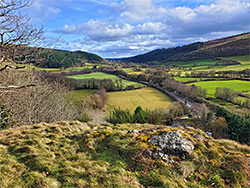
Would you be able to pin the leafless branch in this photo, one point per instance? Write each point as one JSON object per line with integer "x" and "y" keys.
{"x": 16, "y": 87}
{"x": 15, "y": 28}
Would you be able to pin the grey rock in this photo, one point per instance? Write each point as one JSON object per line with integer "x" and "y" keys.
{"x": 171, "y": 144}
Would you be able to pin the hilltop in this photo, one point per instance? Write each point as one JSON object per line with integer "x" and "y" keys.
{"x": 74, "y": 154}
{"x": 237, "y": 45}
{"x": 48, "y": 58}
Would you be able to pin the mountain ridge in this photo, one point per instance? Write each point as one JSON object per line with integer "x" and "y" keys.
{"x": 236, "y": 45}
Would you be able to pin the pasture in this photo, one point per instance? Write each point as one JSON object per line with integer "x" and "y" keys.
{"x": 209, "y": 65}
{"x": 185, "y": 79}
{"x": 236, "y": 85}
{"x": 101, "y": 76}
{"x": 77, "y": 96}
{"x": 195, "y": 63}
{"x": 149, "y": 98}
{"x": 79, "y": 68}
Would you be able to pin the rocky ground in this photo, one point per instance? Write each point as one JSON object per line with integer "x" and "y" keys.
{"x": 74, "y": 154}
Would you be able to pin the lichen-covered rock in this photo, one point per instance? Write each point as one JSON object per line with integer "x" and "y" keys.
{"x": 171, "y": 144}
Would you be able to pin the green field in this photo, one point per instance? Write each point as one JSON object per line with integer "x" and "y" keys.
{"x": 209, "y": 65}
{"x": 244, "y": 60}
{"x": 79, "y": 95}
{"x": 79, "y": 68}
{"x": 128, "y": 70}
{"x": 146, "y": 98}
{"x": 88, "y": 66}
{"x": 203, "y": 62}
{"x": 236, "y": 85}
{"x": 101, "y": 76}
{"x": 183, "y": 79}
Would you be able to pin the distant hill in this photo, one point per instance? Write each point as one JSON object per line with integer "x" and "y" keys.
{"x": 61, "y": 58}
{"x": 47, "y": 58}
{"x": 230, "y": 46}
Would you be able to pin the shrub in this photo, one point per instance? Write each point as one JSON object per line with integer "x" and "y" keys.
{"x": 44, "y": 101}
{"x": 219, "y": 128}
{"x": 141, "y": 116}
{"x": 118, "y": 116}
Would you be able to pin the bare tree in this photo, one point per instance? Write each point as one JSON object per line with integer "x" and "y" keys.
{"x": 15, "y": 27}
{"x": 39, "y": 100}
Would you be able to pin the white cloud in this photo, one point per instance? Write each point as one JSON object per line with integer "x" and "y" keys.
{"x": 140, "y": 9}
{"x": 150, "y": 28}
{"x": 70, "y": 28}
{"x": 104, "y": 30}
{"x": 138, "y": 26}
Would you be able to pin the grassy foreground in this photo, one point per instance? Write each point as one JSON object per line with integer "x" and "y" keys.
{"x": 149, "y": 98}
{"x": 72, "y": 154}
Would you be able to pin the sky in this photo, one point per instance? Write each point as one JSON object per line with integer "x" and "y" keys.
{"x": 124, "y": 28}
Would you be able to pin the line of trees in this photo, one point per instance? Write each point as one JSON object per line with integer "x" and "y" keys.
{"x": 190, "y": 92}
{"x": 230, "y": 95}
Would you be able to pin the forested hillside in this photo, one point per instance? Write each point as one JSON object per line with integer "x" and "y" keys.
{"x": 47, "y": 58}
{"x": 230, "y": 46}
{"x": 60, "y": 58}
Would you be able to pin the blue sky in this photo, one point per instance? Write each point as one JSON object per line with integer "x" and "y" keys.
{"x": 122, "y": 28}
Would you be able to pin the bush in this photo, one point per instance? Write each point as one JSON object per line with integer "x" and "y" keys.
{"x": 118, "y": 116}
{"x": 219, "y": 128}
{"x": 44, "y": 101}
{"x": 141, "y": 116}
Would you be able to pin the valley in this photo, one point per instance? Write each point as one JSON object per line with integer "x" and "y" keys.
{"x": 79, "y": 120}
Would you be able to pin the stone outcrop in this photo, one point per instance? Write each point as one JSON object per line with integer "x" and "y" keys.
{"x": 171, "y": 146}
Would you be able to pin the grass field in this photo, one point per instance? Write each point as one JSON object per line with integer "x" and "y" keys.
{"x": 244, "y": 60}
{"x": 128, "y": 70}
{"x": 146, "y": 98}
{"x": 79, "y": 68}
{"x": 236, "y": 85}
{"x": 209, "y": 65}
{"x": 183, "y": 79}
{"x": 101, "y": 76}
{"x": 79, "y": 95}
{"x": 203, "y": 62}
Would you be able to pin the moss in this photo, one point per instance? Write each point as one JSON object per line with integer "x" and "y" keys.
{"x": 70, "y": 154}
